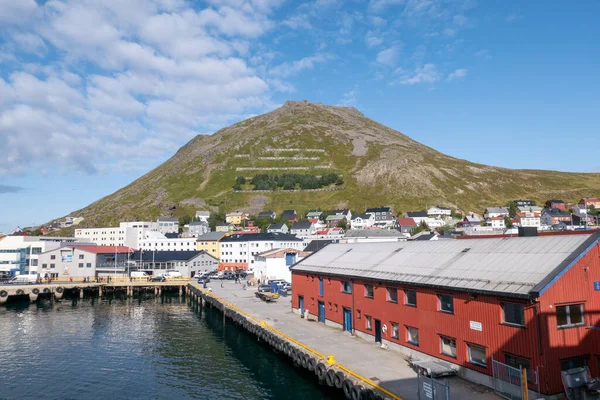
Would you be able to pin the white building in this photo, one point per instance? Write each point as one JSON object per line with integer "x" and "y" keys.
{"x": 83, "y": 261}
{"x": 277, "y": 228}
{"x": 362, "y": 221}
{"x": 302, "y": 229}
{"x": 198, "y": 228}
{"x": 156, "y": 241}
{"x": 168, "y": 225}
{"x": 534, "y": 209}
{"x": 187, "y": 263}
{"x": 496, "y": 222}
{"x": 439, "y": 212}
{"x": 276, "y": 263}
{"x": 435, "y": 223}
{"x": 238, "y": 250}
{"x": 21, "y": 253}
{"x": 493, "y": 212}
{"x": 529, "y": 219}
{"x": 126, "y": 234}
{"x": 202, "y": 215}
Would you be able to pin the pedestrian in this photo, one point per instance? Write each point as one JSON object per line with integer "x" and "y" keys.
{"x": 222, "y": 284}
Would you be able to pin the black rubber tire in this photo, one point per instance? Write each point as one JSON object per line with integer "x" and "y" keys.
{"x": 3, "y": 293}
{"x": 304, "y": 360}
{"x": 46, "y": 290}
{"x": 312, "y": 364}
{"x": 35, "y": 291}
{"x": 339, "y": 379}
{"x": 357, "y": 392}
{"x": 59, "y": 289}
{"x": 321, "y": 371}
{"x": 330, "y": 378}
{"x": 20, "y": 291}
{"x": 367, "y": 394}
{"x": 347, "y": 388}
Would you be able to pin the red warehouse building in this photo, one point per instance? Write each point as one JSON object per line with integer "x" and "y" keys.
{"x": 529, "y": 301}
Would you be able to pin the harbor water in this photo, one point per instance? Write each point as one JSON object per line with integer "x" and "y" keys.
{"x": 138, "y": 348}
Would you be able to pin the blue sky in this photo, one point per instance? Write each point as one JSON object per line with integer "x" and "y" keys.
{"x": 93, "y": 94}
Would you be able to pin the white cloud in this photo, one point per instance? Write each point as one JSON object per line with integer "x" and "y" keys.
{"x": 349, "y": 98}
{"x": 457, "y": 74}
{"x": 300, "y": 21}
{"x": 449, "y": 32}
{"x": 292, "y": 68}
{"x": 428, "y": 73}
{"x": 373, "y": 39}
{"x": 389, "y": 56}
{"x": 16, "y": 12}
{"x": 377, "y": 21}
{"x": 459, "y": 20}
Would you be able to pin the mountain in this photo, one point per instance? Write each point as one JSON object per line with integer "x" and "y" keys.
{"x": 379, "y": 166}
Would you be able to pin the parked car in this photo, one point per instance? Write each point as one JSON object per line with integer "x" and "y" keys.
{"x": 287, "y": 286}
{"x": 264, "y": 288}
{"x": 203, "y": 279}
{"x": 158, "y": 278}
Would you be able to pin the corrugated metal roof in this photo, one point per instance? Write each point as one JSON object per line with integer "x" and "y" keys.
{"x": 503, "y": 265}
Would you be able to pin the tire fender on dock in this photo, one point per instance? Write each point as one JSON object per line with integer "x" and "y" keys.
{"x": 347, "y": 387}
{"x": 338, "y": 379}
{"x": 356, "y": 392}
{"x": 330, "y": 378}
{"x": 312, "y": 364}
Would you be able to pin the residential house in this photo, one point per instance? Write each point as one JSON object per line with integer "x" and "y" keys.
{"x": 343, "y": 211}
{"x": 82, "y": 261}
{"x": 156, "y": 241}
{"x": 276, "y": 263}
{"x": 517, "y": 302}
{"x": 439, "y": 212}
{"x": 302, "y": 229}
{"x": 202, "y": 215}
{"x": 277, "y": 228}
{"x": 552, "y": 216}
{"x": 529, "y": 219}
{"x": 586, "y": 202}
{"x": 362, "y": 221}
{"x": 238, "y": 251}
{"x": 267, "y": 214}
{"x": 492, "y": 212}
{"x": 383, "y": 216}
{"x": 533, "y": 209}
{"x": 289, "y": 216}
{"x": 198, "y": 228}
{"x": 471, "y": 220}
{"x": 496, "y": 222}
{"x": 406, "y": 225}
{"x": 417, "y": 216}
{"x": 235, "y": 218}
{"x": 334, "y": 220}
{"x": 559, "y": 204}
{"x": 373, "y": 235}
{"x": 314, "y": 216}
{"x": 224, "y": 227}
{"x": 327, "y": 233}
{"x": 187, "y": 263}
{"x": 209, "y": 242}
{"x": 168, "y": 225}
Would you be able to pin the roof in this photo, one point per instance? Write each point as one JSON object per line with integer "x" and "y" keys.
{"x": 522, "y": 267}
{"x": 529, "y": 208}
{"x": 288, "y": 213}
{"x": 166, "y": 256}
{"x": 203, "y": 213}
{"x": 255, "y": 237}
{"x": 406, "y": 222}
{"x": 379, "y": 209}
{"x": 340, "y": 211}
{"x": 556, "y": 212}
{"x": 360, "y": 233}
{"x": 301, "y": 225}
{"x": 234, "y": 214}
{"x": 441, "y": 208}
{"x": 280, "y": 253}
{"x": 223, "y": 224}
{"x": 314, "y": 214}
{"x": 165, "y": 219}
{"x": 416, "y": 214}
{"x": 472, "y": 218}
{"x": 317, "y": 245}
{"x": 496, "y": 219}
{"x": 496, "y": 210}
{"x": 554, "y": 201}
{"x": 209, "y": 236}
{"x": 103, "y": 249}
{"x": 266, "y": 213}
{"x": 424, "y": 235}
{"x": 361, "y": 216}
{"x": 335, "y": 217}
{"x": 275, "y": 226}
{"x": 204, "y": 223}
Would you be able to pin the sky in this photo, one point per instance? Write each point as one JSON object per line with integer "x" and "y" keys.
{"x": 94, "y": 94}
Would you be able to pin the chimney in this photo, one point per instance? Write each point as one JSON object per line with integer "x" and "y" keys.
{"x": 527, "y": 231}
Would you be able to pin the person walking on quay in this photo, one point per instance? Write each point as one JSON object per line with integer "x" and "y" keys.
{"x": 222, "y": 284}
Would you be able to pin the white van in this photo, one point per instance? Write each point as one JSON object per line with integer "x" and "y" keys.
{"x": 24, "y": 279}
{"x": 173, "y": 274}
{"x": 139, "y": 274}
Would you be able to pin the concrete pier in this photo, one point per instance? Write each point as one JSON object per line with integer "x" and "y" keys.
{"x": 362, "y": 362}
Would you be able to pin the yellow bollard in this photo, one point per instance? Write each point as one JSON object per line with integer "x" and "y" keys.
{"x": 330, "y": 360}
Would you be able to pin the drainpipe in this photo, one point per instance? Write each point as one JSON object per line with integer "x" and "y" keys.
{"x": 353, "y": 310}
{"x": 541, "y": 349}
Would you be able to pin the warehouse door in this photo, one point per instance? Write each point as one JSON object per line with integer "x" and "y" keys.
{"x": 321, "y": 312}
{"x": 348, "y": 319}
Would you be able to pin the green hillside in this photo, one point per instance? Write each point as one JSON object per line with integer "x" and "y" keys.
{"x": 379, "y": 166}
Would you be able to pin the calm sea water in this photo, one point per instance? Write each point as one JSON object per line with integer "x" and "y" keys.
{"x": 138, "y": 349}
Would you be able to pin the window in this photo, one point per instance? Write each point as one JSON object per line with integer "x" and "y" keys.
{"x": 477, "y": 355}
{"x": 395, "y": 330}
{"x": 368, "y": 322}
{"x": 34, "y": 262}
{"x": 392, "y": 295}
{"x": 44, "y": 265}
{"x": 446, "y": 303}
{"x": 410, "y": 298}
{"x": 51, "y": 265}
{"x": 36, "y": 250}
{"x": 575, "y": 362}
{"x": 412, "y": 335}
{"x": 80, "y": 265}
{"x": 369, "y": 291}
{"x": 516, "y": 362}
{"x": 81, "y": 256}
{"x": 346, "y": 287}
{"x": 513, "y": 313}
{"x": 53, "y": 257}
{"x": 448, "y": 346}
{"x": 568, "y": 316}
{"x": 321, "y": 287}
{"x": 88, "y": 265}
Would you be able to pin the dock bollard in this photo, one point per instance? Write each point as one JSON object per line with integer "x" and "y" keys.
{"x": 81, "y": 293}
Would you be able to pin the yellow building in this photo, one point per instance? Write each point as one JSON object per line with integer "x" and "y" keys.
{"x": 209, "y": 242}
{"x": 235, "y": 218}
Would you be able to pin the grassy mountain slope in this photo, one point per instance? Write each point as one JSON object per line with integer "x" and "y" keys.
{"x": 380, "y": 166}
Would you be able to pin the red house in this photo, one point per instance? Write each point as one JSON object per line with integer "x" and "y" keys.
{"x": 556, "y": 204}
{"x": 529, "y": 301}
